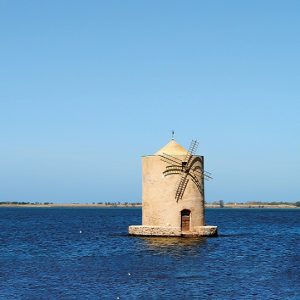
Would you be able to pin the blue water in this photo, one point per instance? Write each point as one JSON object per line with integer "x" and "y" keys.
{"x": 85, "y": 253}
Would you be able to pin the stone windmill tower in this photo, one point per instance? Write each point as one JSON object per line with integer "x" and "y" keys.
{"x": 173, "y": 193}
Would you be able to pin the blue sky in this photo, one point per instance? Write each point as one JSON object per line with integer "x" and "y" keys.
{"x": 87, "y": 87}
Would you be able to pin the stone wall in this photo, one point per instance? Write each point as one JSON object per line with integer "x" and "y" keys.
{"x": 154, "y": 230}
{"x": 171, "y": 231}
{"x": 206, "y": 230}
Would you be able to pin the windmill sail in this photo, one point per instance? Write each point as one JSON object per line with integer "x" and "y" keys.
{"x": 192, "y": 149}
{"x": 181, "y": 187}
{"x": 186, "y": 168}
{"x": 183, "y": 181}
{"x": 170, "y": 159}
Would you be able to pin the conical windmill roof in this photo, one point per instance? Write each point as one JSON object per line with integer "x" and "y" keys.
{"x": 172, "y": 148}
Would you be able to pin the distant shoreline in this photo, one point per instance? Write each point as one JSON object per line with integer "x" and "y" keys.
{"x": 129, "y": 205}
{"x": 245, "y": 205}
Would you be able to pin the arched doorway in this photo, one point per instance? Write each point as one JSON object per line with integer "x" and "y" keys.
{"x": 185, "y": 220}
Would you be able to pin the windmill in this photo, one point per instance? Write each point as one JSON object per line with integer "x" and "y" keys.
{"x": 161, "y": 215}
{"x": 190, "y": 168}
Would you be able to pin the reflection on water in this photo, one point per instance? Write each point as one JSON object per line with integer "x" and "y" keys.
{"x": 172, "y": 242}
{"x": 174, "y": 246}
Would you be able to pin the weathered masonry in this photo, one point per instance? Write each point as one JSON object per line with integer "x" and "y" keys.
{"x": 173, "y": 194}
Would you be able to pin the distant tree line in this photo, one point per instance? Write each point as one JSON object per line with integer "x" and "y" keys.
{"x": 24, "y": 203}
{"x": 221, "y": 203}
{"x": 47, "y": 203}
{"x": 118, "y": 203}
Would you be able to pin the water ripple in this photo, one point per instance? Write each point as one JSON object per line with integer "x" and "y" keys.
{"x": 87, "y": 254}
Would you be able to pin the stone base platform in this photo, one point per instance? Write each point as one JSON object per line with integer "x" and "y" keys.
{"x": 172, "y": 231}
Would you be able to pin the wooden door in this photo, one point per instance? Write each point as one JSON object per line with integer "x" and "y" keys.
{"x": 185, "y": 220}
{"x": 185, "y": 223}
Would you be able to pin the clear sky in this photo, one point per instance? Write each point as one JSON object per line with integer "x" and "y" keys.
{"x": 87, "y": 87}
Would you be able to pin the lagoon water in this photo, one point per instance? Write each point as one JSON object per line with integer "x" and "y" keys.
{"x": 85, "y": 253}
